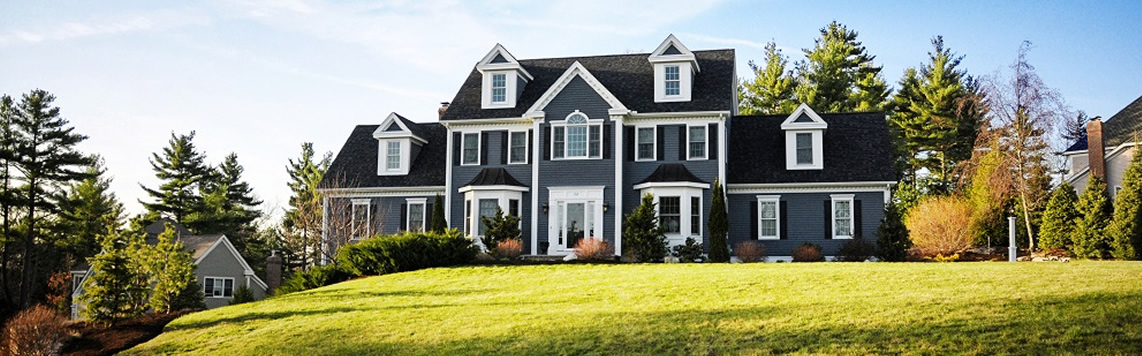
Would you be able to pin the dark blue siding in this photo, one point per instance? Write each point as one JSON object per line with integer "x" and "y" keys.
{"x": 805, "y": 220}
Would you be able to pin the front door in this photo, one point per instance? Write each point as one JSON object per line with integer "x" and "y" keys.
{"x": 576, "y": 214}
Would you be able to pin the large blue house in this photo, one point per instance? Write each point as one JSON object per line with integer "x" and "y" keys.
{"x": 570, "y": 145}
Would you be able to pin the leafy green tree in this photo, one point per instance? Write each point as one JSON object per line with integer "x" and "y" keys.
{"x": 171, "y": 269}
{"x": 892, "y": 241}
{"x": 839, "y": 74}
{"x": 641, "y": 234}
{"x": 45, "y": 156}
{"x": 771, "y": 91}
{"x": 1059, "y": 218}
{"x": 499, "y": 228}
{"x": 116, "y": 289}
{"x": 1089, "y": 239}
{"x": 87, "y": 209}
{"x": 439, "y": 224}
{"x": 301, "y": 226}
{"x": 1125, "y": 231}
{"x": 719, "y": 225}
{"x": 180, "y": 168}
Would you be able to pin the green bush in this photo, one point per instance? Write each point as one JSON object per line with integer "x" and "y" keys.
{"x": 242, "y": 294}
{"x": 856, "y": 250}
{"x": 500, "y": 228}
{"x": 690, "y": 252}
{"x": 1125, "y": 230}
{"x": 407, "y": 251}
{"x": 642, "y": 236}
{"x": 1059, "y": 218}
{"x": 314, "y": 277}
{"x": 892, "y": 241}
{"x": 1089, "y": 239}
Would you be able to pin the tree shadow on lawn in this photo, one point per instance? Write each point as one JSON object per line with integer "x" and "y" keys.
{"x": 359, "y": 293}
{"x": 1098, "y": 323}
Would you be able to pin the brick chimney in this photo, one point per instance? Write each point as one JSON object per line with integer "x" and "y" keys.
{"x": 442, "y": 109}
{"x": 273, "y": 272}
{"x": 1095, "y": 150}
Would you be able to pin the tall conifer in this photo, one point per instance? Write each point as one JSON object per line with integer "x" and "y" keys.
{"x": 1126, "y": 229}
{"x": 771, "y": 91}
{"x": 180, "y": 169}
{"x": 1089, "y": 239}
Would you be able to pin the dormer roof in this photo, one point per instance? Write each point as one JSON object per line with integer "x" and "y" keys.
{"x": 396, "y": 126}
{"x": 804, "y": 118}
{"x": 500, "y": 59}
{"x": 672, "y": 50}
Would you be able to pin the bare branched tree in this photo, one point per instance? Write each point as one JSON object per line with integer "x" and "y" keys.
{"x": 1025, "y": 111}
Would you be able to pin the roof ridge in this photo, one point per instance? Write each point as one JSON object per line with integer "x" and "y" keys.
{"x": 646, "y": 54}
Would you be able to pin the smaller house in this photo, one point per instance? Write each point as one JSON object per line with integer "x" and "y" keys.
{"x": 221, "y": 269}
{"x": 1106, "y": 150}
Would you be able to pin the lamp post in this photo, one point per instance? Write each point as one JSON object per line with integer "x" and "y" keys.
{"x": 1011, "y": 249}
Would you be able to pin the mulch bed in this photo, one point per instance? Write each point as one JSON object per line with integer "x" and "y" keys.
{"x": 98, "y": 339}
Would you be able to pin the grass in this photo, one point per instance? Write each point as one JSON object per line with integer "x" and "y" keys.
{"x": 831, "y": 308}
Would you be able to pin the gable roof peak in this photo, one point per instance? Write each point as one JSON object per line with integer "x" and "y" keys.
{"x": 405, "y": 128}
{"x": 575, "y": 70}
{"x": 500, "y": 59}
{"x": 804, "y": 118}
{"x": 672, "y": 50}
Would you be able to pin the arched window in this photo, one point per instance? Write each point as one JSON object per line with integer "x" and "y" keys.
{"x": 576, "y": 137}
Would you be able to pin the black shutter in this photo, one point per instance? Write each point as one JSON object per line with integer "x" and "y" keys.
{"x": 504, "y": 146}
{"x": 607, "y": 141}
{"x": 784, "y": 221}
{"x": 828, "y": 219}
{"x": 529, "y": 143}
{"x": 682, "y": 146}
{"x": 660, "y": 142}
{"x": 484, "y": 148}
{"x": 404, "y": 217}
{"x": 456, "y": 149}
{"x": 857, "y": 229}
{"x": 629, "y": 142}
{"x": 427, "y": 223}
{"x": 545, "y": 141}
{"x": 753, "y": 221}
{"x": 712, "y": 138}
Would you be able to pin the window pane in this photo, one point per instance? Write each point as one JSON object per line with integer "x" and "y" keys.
{"x": 488, "y": 209}
{"x": 593, "y": 145}
{"x": 208, "y": 285}
{"x": 577, "y": 141}
{"x": 467, "y": 217}
{"x": 471, "y": 148}
{"x": 669, "y": 213}
{"x": 415, "y": 217}
{"x": 360, "y": 220}
{"x": 228, "y": 290}
{"x": 577, "y": 119}
{"x": 672, "y": 87}
{"x": 513, "y": 207}
{"x": 499, "y": 88}
{"x": 673, "y": 82}
{"x": 697, "y": 137}
{"x": 393, "y": 155}
{"x": 804, "y": 148}
{"x": 768, "y": 210}
{"x": 645, "y": 143}
{"x": 557, "y": 136}
{"x": 843, "y": 209}
{"x": 518, "y": 152}
{"x": 769, "y": 227}
{"x": 695, "y": 216}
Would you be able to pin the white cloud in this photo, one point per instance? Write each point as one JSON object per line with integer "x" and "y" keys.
{"x": 105, "y": 26}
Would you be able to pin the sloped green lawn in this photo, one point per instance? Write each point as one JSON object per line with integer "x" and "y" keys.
{"x": 831, "y": 308}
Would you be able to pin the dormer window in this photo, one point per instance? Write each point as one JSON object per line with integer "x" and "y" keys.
{"x": 804, "y": 140}
{"x": 499, "y": 88}
{"x": 393, "y": 157}
{"x": 397, "y": 145}
{"x": 673, "y": 81}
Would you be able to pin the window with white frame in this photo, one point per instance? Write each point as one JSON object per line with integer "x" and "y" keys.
{"x": 697, "y": 138}
{"x": 499, "y": 88}
{"x": 768, "y": 217}
{"x": 415, "y": 214}
{"x": 488, "y": 208}
{"x": 392, "y": 156}
{"x": 670, "y": 214}
{"x": 842, "y": 216}
{"x": 673, "y": 81}
{"x": 696, "y": 215}
{"x": 804, "y": 148}
{"x": 467, "y": 217}
{"x": 576, "y": 138}
{"x": 517, "y": 147}
{"x": 644, "y": 139}
{"x": 471, "y": 149}
{"x": 218, "y": 287}
{"x": 359, "y": 221}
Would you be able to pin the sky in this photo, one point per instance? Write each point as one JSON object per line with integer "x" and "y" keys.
{"x": 258, "y": 78}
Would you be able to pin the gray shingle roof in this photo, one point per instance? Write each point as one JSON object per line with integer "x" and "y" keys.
{"x": 356, "y": 162}
{"x": 857, "y": 149}
{"x": 1125, "y": 126}
{"x": 630, "y": 77}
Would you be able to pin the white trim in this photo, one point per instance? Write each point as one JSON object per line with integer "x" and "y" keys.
{"x": 223, "y": 240}
{"x": 377, "y": 192}
{"x": 559, "y": 197}
{"x": 689, "y": 116}
{"x": 485, "y": 63}
{"x": 776, "y": 200}
{"x": 233, "y": 287}
{"x": 705, "y": 143}
{"x": 463, "y": 147}
{"x": 576, "y": 69}
{"x": 647, "y": 185}
{"x": 817, "y": 124}
{"x": 447, "y": 189}
{"x": 591, "y": 123}
{"x": 617, "y": 117}
{"x": 686, "y": 71}
{"x": 684, "y": 192}
{"x": 816, "y": 138}
{"x": 836, "y": 198}
{"x": 526, "y": 146}
{"x": 501, "y": 196}
{"x": 409, "y": 202}
{"x": 765, "y": 188}
{"x": 479, "y": 188}
{"x": 538, "y": 118}
{"x": 395, "y": 118}
{"x": 653, "y": 141}
{"x": 504, "y": 123}
{"x": 368, "y": 203}
{"x": 685, "y": 54}
{"x": 404, "y": 146}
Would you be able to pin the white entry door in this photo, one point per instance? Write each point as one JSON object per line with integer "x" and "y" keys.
{"x": 575, "y": 214}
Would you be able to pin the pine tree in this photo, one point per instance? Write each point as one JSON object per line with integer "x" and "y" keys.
{"x": 45, "y": 156}
{"x": 116, "y": 289}
{"x": 1074, "y": 128}
{"x": 180, "y": 168}
{"x": 8, "y": 198}
{"x": 1059, "y": 218}
{"x": 439, "y": 224}
{"x": 901, "y": 123}
{"x": 499, "y": 228}
{"x": 892, "y": 241}
{"x": 87, "y": 210}
{"x": 1089, "y": 239}
{"x": 771, "y": 91}
{"x": 1125, "y": 232}
{"x": 171, "y": 271}
{"x": 641, "y": 234}
{"x": 302, "y": 222}
{"x": 839, "y": 74}
{"x": 719, "y": 225}
{"x": 229, "y": 207}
